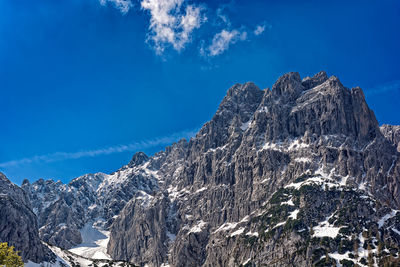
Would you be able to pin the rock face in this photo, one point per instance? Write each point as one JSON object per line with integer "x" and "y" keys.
{"x": 18, "y": 225}
{"x": 392, "y": 133}
{"x": 298, "y": 175}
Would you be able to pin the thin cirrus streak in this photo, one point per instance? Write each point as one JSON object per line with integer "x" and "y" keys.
{"x": 388, "y": 87}
{"x": 59, "y": 156}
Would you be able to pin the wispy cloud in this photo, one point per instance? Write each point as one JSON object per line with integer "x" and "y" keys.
{"x": 132, "y": 147}
{"x": 260, "y": 29}
{"x": 172, "y": 23}
{"x": 122, "y": 5}
{"x": 387, "y": 87}
{"x": 222, "y": 40}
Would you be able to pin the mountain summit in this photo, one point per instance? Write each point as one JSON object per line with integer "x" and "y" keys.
{"x": 297, "y": 175}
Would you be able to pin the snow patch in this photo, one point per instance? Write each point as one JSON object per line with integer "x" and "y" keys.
{"x": 226, "y": 227}
{"x": 344, "y": 180}
{"x": 279, "y": 224}
{"x": 238, "y": 232}
{"x": 289, "y": 202}
{"x": 201, "y": 190}
{"x": 246, "y": 261}
{"x": 326, "y": 229}
{"x": 271, "y": 146}
{"x": 293, "y": 214}
{"x": 382, "y": 221}
{"x": 198, "y": 227}
{"x": 66, "y": 257}
{"x": 338, "y": 257}
{"x": 311, "y": 180}
{"x": 189, "y": 216}
{"x": 263, "y": 109}
{"x": 58, "y": 263}
{"x": 245, "y": 219}
{"x": 303, "y": 160}
{"x": 396, "y": 231}
{"x": 173, "y": 192}
{"x": 295, "y": 145}
{"x": 320, "y": 178}
{"x": 94, "y": 243}
{"x": 245, "y": 125}
{"x": 252, "y": 234}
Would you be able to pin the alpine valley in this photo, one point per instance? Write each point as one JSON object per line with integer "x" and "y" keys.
{"x": 297, "y": 175}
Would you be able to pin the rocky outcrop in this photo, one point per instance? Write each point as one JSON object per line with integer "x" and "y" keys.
{"x": 138, "y": 159}
{"x": 18, "y": 224}
{"x": 145, "y": 222}
{"x": 392, "y": 133}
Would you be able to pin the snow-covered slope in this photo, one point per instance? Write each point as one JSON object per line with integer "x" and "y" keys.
{"x": 94, "y": 243}
{"x": 67, "y": 258}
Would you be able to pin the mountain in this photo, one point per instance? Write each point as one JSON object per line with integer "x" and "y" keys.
{"x": 297, "y": 175}
{"x": 288, "y": 176}
{"x": 18, "y": 225}
{"x": 62, "y": 210}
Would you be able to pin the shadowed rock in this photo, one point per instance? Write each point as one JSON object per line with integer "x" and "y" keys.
{"x": 18, "y": 225}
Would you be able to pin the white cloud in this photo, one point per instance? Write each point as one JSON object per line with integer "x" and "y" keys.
{"x": 259, "y": 29}
{"x": 172, "y": 23}
{"x": 132, "y": 147}
{"x": 123, "y": 5}
{"x": 225, "y": 38}
{"x": 222, "y": 40}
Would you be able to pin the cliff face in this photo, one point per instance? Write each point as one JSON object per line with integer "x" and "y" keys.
{"x": 298, "y": 175}
{"x": 259, "y": 180}
{"x": 18, "y": 225}
{"x": 392, "y": 133}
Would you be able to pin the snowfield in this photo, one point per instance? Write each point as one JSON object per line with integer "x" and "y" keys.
{"x": 94, "y": 243}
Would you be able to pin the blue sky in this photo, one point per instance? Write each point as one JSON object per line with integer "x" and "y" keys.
{"x": 86, "y": 83}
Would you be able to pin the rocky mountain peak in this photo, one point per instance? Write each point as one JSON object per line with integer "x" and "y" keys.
{"x": 240, "y": 97}
{"x": 318, "y": 106}
{"x": 138, "y": 159}
{"x": 13, "y": 191}
{"x": 288, "y": 85}
{"x": 237, "y": 107}
{"x": 316, "y": 80}
{"x": 3, "y": 177}
{"x": 242, "y": 89}
{"x": 367, "y": 127}
{"x": 25, "y": 182}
